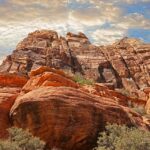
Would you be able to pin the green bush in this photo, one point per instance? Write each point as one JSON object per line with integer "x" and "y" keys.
{"x": 21, "y": 140}
{"x": 118, "y": 137}
{"x": 82, "y": 81}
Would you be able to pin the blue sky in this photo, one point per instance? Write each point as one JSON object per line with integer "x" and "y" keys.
{"x": 103, "y": 21}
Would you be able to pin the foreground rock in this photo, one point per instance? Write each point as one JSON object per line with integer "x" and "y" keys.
{"x": 68, "y": 118}
{"x": 10, "y": 87}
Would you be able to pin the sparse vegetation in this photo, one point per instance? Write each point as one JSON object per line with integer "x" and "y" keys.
{"x": 123, "y": 91}
{"x": 21, "y": 140}
{"x": 82, "y": 81}
{"x": 140, "y": 110}
{"x": 126, "y": 92}
{"x": 117, "y": 137}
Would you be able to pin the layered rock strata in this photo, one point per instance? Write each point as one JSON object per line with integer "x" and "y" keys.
{"x": 37, "y": 94}
{"x": 124, "y": 64}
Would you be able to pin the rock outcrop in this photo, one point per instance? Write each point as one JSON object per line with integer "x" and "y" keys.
{"x": 124, "y": 64}
{"x": 59, "y": 111}
{"x": 45, "y": 76}
{"x": 147, "y": 107}
{"x": 37, "y": 90}
{"x": 68, "y": 118}
{"x": 10, "y": 86}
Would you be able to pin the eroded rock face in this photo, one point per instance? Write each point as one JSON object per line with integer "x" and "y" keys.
{"x": 124, "y": 64}
{"x": 68, "y": 118}
{"x": 7, "y": 98}
{"x": 52, "y": 106}
{"x": 147, "y": 107}
{"x": 118, "y": 97}
{"x": 12, "y": 80}
{"x": 45, "y": 76}
{"x": 10, "y": 87}
{"x": 59, "y": 111}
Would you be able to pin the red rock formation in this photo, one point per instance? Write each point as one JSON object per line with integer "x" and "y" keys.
{"x": 68, "y": 118}
{"x": 124, "y": 64}
{"x": 147, "y": 107}
{"x": 118, "y": 97}
{"x": 77, "y": 40}
{"x": 12, "y": 80}
{"x": 45, "y": 76}
{"x": 50, "y": 104}
{"x": 43, "y": 69}
{"x": 10, "y": 86}
{"x": 40, "y": 39}
{"x": 7, "y": 98}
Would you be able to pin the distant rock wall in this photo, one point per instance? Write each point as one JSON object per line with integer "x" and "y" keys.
{"x": 124, "y": 64}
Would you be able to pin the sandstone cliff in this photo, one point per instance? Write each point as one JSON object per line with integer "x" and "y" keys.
{"x": 124, "y": 64}
{"x": 37, "y": 90}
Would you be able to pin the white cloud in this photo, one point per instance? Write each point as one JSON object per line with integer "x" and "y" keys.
{"x": 135, "y": 1}
{"x": 21, "y": 17}
{"x": 134, "y": 20}
{"x": 112, "y": 1}
{"x": 108, "y": 36}
{"x": 13, "y": 33}
{"x": 98, "y": 13}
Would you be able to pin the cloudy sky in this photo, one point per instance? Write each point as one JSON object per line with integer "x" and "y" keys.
{"x": 103, "y": 21}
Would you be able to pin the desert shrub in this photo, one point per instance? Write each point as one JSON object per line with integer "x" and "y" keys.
{"x": 7, "y": 145}
{"x": 21, "y": 140}
{"x": 139, "y": 109}
{"x": 118, "y": 137}
{"x": 123, "y": 91}
{"x": 81, "y": 80}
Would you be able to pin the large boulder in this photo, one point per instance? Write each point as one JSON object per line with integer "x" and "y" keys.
{"x": 46, "y": 76}
{"x": 68, "y": 118}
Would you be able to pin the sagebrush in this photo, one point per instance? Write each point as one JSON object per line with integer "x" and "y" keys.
{"x": 82, "y": 80}
{"x": 117, "y": 137}
{"x": 21, "y": 140}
